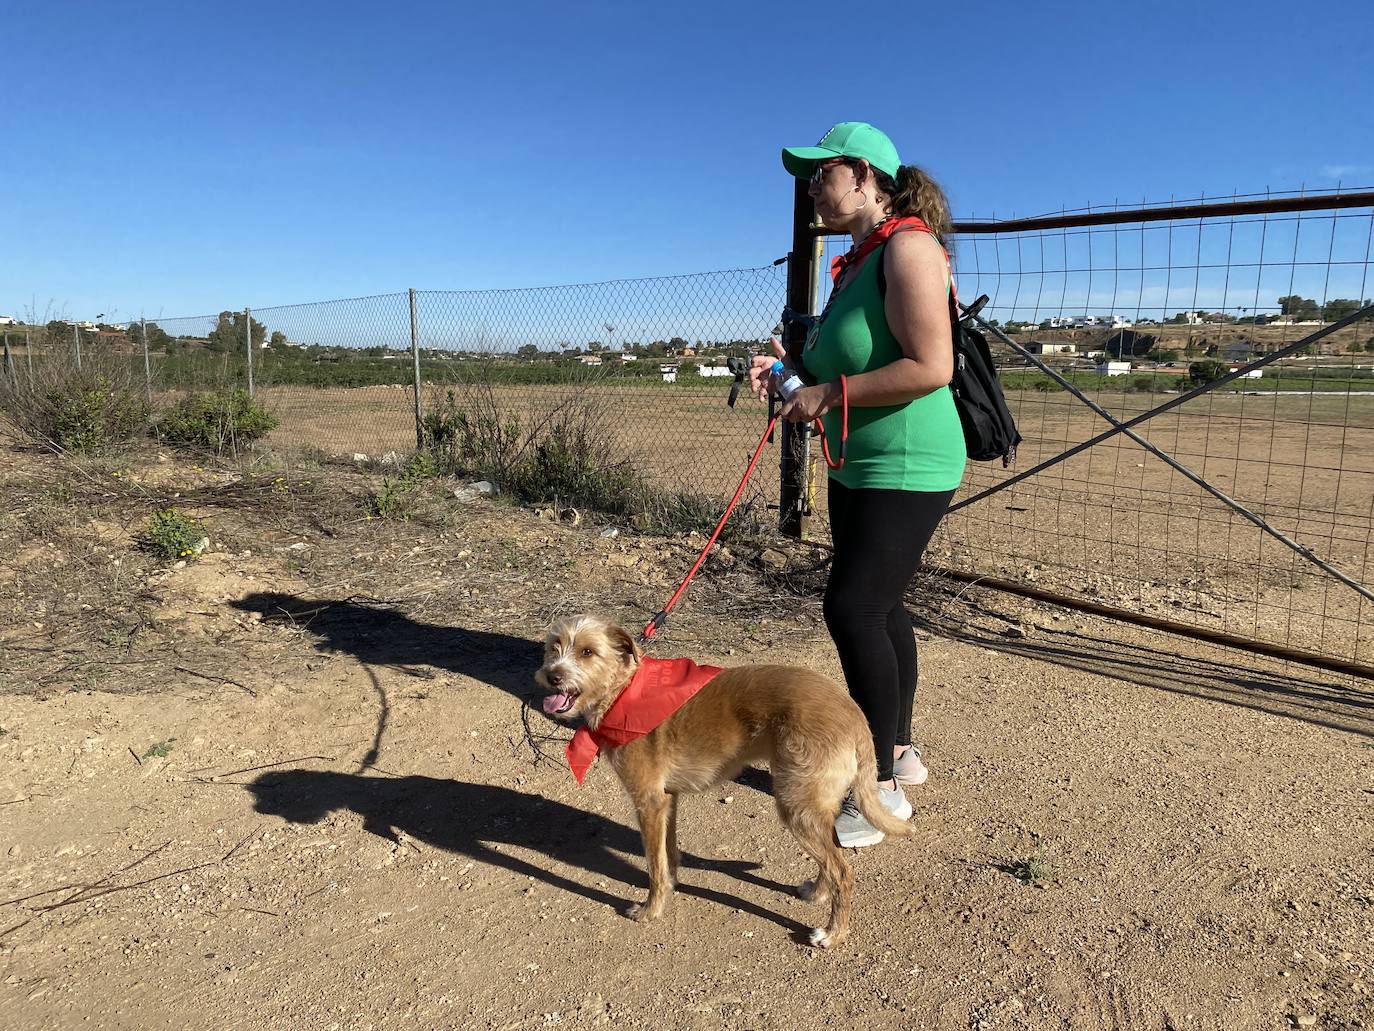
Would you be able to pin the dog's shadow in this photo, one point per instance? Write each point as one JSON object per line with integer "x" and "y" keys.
{"x": 498, "y": 827}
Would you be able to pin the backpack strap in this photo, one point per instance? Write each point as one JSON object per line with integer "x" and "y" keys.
{"x": 920, "y": 227}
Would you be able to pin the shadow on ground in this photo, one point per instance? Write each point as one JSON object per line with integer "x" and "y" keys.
{"x": 498, "y": 827}
{"x": 1163, "y": 661}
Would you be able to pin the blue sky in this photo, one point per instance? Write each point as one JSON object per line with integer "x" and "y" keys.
{"x": 174, "y": 159}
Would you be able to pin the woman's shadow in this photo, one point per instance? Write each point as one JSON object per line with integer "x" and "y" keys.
{"x": 382, "y": 635}
{"x": 495, "y": 826}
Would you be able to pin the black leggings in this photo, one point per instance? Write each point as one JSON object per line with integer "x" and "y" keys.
{"x": 879, "y": 536}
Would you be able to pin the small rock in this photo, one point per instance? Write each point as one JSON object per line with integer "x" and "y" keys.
{"x": 610, "y": 533}
{"x": 359, "y": 457}
{"x": 390, "y": 458}
{"x": 727, "y": 800}
{"x": 298, "y": 546}
{"x": 1013, "y": 631}
{"x": 770, "y": 558}
{"x": 465, "y": 553}
{"x": 473, "y": 491}
{"x": 1307, "y": 1020}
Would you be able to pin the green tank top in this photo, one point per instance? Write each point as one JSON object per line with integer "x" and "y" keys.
{"x": 917, "y": 446}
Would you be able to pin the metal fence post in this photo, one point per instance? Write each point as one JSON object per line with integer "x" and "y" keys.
{"x": 415, "y": 357}
{"x": 147, "y": 368}
{"x": 9, "y": 361}
{"x": 76, "y": 336}
{"x": 248, "y": 343}
{"x": 800, "y": 262}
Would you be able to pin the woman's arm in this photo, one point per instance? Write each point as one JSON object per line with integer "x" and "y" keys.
{"x": 917, "y": 309}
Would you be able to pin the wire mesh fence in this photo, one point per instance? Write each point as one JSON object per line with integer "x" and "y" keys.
{"x": 1133, "y": 312}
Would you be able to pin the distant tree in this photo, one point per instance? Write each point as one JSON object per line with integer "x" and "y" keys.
{"x": 529, "y": 352}
{"x": 593, "y": 346}
{"x": 158, "y": 338}
{"x": 227, "y": 336}
{"x": 1303, "y": 309}
{"x": 278, "y": 339}
{"x": 678, "y": 343}
{"x": 1206, "y": 371}
{"x": 1340, "y": 308}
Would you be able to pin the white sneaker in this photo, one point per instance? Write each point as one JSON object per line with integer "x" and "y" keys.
{"x": 853, "y": 831}
{"x": 908, "y": 768}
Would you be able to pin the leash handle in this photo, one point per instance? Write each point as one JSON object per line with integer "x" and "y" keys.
{"x": 844, "y": 428}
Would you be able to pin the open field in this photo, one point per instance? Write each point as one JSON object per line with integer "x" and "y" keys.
{"x": 285, "y": 786}
{"x": 1113, "y": 523}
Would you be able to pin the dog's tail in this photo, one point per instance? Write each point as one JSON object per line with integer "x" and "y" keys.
{"x": 865, "y": 788}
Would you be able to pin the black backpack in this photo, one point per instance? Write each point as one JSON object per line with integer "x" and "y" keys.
{"x": 989, "y": 429}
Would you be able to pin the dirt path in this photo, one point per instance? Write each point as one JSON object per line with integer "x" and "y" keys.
{"x": 347, "y": 830}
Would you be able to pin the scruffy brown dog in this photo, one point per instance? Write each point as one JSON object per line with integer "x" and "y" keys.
{"x": 809, "y": 731}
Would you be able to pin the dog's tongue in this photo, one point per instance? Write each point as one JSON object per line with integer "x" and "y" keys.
{"x": 556, "y": 703}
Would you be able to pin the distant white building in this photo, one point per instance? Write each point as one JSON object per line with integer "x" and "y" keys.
{"x": 669, "y": 373}
{"x": 589, "y": 359}
{"x": 1113, "y": 368}
{"x": 1252, "y": 374}
{"x": 1088, "y": 321}
{"x": 1039, "y": 347}
{"x": 714, "y": 370}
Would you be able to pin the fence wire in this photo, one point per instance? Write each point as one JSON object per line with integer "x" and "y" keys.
{"x": 1133, "y": 313}
{"x": 1136, "y": 313}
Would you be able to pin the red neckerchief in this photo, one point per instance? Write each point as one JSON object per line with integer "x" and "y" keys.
{"x": 658, "y": 689}
{"x": 880, "y": 236}
{"x": 874, "y": 240}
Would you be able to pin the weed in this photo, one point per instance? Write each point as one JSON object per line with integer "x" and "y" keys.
{"x": 120, "y": 638}
{"x": 174, "y": 535}
{"x": 564, "y": 456}
{"x": 160, "y": 750}
{"x": 1036, "y": 869}
{"x": 391, "y": 500}
{"x": 394, "y": 499}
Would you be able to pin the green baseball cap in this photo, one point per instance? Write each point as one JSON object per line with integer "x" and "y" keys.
{"x": 845, "y": 140}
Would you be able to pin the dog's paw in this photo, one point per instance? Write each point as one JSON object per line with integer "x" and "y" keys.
{"x": 811, "y": 891}
{"x": 640, "y": 912}
{"x": 820, "y": 938}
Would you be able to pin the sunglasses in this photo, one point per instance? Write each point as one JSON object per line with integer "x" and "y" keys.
{"x": 818, "y": 175}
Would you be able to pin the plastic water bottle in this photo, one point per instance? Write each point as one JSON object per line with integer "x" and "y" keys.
{"x": 784, "y": 382}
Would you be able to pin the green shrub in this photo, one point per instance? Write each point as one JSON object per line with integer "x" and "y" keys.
{"x": 87, "y": 410}
{"x": 94, "y": 416}
{"x": 174, "y": 535}
{"x": 565, "y": 456}
{"x": 219, "y": 421}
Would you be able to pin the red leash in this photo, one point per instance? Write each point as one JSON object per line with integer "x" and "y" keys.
{"x": 661, "y": 616}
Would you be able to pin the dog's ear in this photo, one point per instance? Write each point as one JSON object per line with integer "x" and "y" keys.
{"x": 623, "y": 641}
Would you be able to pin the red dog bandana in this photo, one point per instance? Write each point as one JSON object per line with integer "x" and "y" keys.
{"x": 658, "y": 689}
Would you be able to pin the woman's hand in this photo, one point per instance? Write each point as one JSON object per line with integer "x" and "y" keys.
{"x": 758, "y": 369}
{"x": 810, "y": 403}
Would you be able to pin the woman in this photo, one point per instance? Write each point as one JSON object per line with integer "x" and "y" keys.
{"x": 905, "y": 455}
